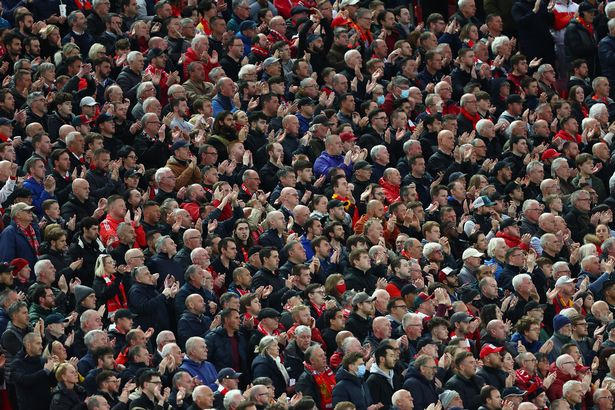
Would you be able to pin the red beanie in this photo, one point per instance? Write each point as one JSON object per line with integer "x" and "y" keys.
{"x": 18, "y": 264}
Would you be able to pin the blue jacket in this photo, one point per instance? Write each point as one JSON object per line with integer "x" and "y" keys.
{"x": 206, "y": 372}
{"x": 161, "y": 263}
{"x": 38, "y": 194}
{"x": 351, "y": 388}
{"x": 325, "y": 162}
{"x": 606, "y": 54}
{"x": 13, "y": 244}
{"x": 221, "y": 103}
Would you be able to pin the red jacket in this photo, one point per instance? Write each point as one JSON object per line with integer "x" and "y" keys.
{"x": 391, "y": 192}
{"x": 108, "y": 228}
{"x": 512, "y": 241}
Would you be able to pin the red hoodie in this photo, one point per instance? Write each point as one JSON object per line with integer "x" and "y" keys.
{"x": 391, "y": 192}
{"x": 512, "y": 241}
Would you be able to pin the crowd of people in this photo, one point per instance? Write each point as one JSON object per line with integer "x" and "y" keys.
{"x": 301, "y": 204}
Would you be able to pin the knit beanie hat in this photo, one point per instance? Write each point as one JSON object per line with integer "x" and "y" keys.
{"x": 82, "y": 292}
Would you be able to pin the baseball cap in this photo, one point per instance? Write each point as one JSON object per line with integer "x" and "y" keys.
{"x": 321, "y": 119}
{"x": 500, "y": 165}
{"x": 155, "y": 52}
{"x": 228, "y": 373}
{"x": 123, "y": 313}
{"x": 20, "y": 207}
{"x": 460, "y": 317}
{"x": 80, "y": 120}
{"x": 104, "y": 117}
{"x": 334, "y": 203}
{"x": 270, "y": 60}
{"x": 482, "y": 201}
{"x": 133, "y": 173}
{"x": 5, "y": 121}
{"x": 179, "y": 144}
{"x": 305, "y": 101}
{"x": 531, "y": 305}
{"x": 550, "y": 153}
{"x": 362, "y": 164}
{"x": 89, "y": 101}
{"x": 299, "y": 9}
{"x": 268, "y": 313}
{"x": 564, "y": 280}
{"x": 345, "y": 3}
{"x": 247, "y": 25}
{"x": 488, "y": 349}
{"x": 54, "y": 318}
{"x": 348, "y": 136}
{"x": 421, "y": 298}
{"x": 455, "y": 176}
{"x": 508, "y": 222}
{"x": 362, "y": 297}
{"x": 471, "y": 252}
{"x": 512, "y": 391}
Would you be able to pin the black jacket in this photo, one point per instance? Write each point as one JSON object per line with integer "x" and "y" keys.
{"x": 423, "y": 391}
{"x": 89, "y": 252}
{"x": 152, "y": 307}
{"x": 75, "y": 207}
{"x": 101, "y": 184}
{"x": 468, "y": 389}
{"x": 151, "y": 153}
{"x": 219, "y": 347}
{"x": 380, "y": 389}
{"x": 32, "y": 382}
{"x": 535, "y": 40}
{"x": 264, "y": 365}
{"x": 190, "y": 325}
{"x": 358, "y": 326}
{"x": 581, "y": 44}
{"x": 351, "y": 388}
{"x": 65, "y": 399}
{"x": 128, "y": 80}
{"x": 360, "y": 281}
{"x": 266, "y": 277}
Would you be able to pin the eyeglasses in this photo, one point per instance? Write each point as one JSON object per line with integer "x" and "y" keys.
{"x": 193, "y": 238}
{"x": 569, "y": 363}
{"x": 606, "y": 397}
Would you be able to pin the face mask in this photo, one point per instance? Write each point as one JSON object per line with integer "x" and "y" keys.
{"x": 361, "y": 371}
{"x": 380, "y": 99}
{"x": 404, "y": 93}
{"x": 341, "y": 288}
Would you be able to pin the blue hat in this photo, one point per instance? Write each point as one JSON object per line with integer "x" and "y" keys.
{"x": 246, "y": 25}
{"x": 313, "y": 37}
{"x": 103, "y": 118}
{"x": 179, "y": 144}
{"x": 560, "y": 321}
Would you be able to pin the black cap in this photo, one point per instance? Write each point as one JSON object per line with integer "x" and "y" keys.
{"x": 362, "y": 164}
{"x": 155, "y": 52}
{"x": 514, "y": 98}
{"x": 468, "y": 294}
{"x": 511, "y": 186}
{"x": 268, "y": 313}
{"x": 104, "y": 117}
{"x": 408, "y": 289}
{"x": 289, "y": 294}
{"x": 299, "y": 9}
{"x": 508, "y": 222}
{"x": 228, "y": 373}
{"x": 512, "y": 391}
{"x": 5, "y": 121}
{"x": 22, "y": 193}
{"x": 334, "y": 203}
{"x": 500, "y": 165}
{"x": 123, "y": 313}
{"x": 133, "y": 173}
{"x": 305, "y": 101}
{"x": 599, "y": 208}
{"x": 424, "y": 341}
{"x": 532, "y": 304}
{"x": 321, "y": 119}
{"x": 54, "y": 318}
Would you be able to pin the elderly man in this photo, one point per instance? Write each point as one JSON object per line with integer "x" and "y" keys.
{"x": 196, "y": 362}
{"x": 21, "y": 238}
{"x": 421, "y": 379}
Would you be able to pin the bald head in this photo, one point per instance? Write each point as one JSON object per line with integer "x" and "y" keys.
{"x": 81, "y": 189}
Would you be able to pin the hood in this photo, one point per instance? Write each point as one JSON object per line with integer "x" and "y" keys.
{"x": 343, "y": 374}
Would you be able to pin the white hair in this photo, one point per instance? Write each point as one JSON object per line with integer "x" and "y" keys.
{"x": 230, "y": 397}
{"x": 246, "y": 70}
{"x": 348, "y": 55}
{"x": 39, "y": 266}
{"x": 166, "y": 349}
{"x": 373, "y": 153}
{"x": 91, "y": 335}
{"x": 132, "y": 56}
{"x": 408, "y": 317}
{"x": 610, "y": 9}
{"x": 430, "y": 248}
{"x": 597, "y": 109}
{"x": 569, "y": 385}
{"x": 161, "y": 173}
{"x": 481, "y": 124}
{"x": 197, "y": 39}
{"x": 148, "y": 101}
{"x": 191, "y": 342}
{"x": 493, "y": 243}
{"x": 518, "y": 280}
{"x": 301, "y": 329}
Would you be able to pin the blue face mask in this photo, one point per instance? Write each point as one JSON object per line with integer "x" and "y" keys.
{"x": 404, "y": 93}
{"x": 380, "y": 99}
{"x": 361, "y": 370}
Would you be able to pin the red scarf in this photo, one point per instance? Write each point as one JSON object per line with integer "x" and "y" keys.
{"x": 318, "y": 309}
{"x": 259, "y": 51}
{"x": 325, "y": 381}
{"x": 30, "y": 237}
{"x": 588, "y": 26}
{"x": 261, "y": 329}
{"x": 472, "y": 118}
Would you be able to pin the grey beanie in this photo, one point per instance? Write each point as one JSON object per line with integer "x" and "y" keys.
{"x": 82, "y": 292}
{"x": 446, "y": 397}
